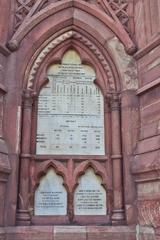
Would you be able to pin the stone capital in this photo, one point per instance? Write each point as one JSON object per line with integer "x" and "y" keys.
{"x": 28, "y": 98}
{"x": 114, "y": 100}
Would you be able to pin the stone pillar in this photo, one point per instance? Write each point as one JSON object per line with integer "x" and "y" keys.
{"x": 23, "y": 217}
{"x": 130, "y": 131}
{"x": 107, "y": 119}
{"x": 116, "y": 156}
{"x": 5, "y": 168}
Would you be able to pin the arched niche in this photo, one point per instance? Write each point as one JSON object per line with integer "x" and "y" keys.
{"x": 90, "y": 196}
{"x": 50, "y": 196}
{"x": 70, "y": 119}
{"x": 92, "y": 67}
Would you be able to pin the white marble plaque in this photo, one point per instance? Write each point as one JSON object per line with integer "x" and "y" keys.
{"x": 70, "y": 110}
{"x": 90, "y": 195}
{"x": 51, "y": 195}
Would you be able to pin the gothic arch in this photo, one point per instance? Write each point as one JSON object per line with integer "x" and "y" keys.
{"x": 43, "y": 168}
{"x": 43, "y": 38}
{"x": 98, "y": 169}
{"x": 42, "y": 45}
{"x": 70, "y": 39}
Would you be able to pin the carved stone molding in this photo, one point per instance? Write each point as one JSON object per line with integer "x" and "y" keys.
{"x": 25, "y": 9}
{"x": 100, "y": 57}
{"x": 114, "y": 100}
{"x": 125, "y": 63}
{"x": 120, "y": 9}
{"x": 51, "y": 45}
{"x": 33, "y": 67}
{"x": 116, "y": 9}
{"x": 112, "y": 13}
{"x": 28, "y": 96}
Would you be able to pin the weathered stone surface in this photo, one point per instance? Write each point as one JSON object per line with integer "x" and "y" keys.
{"x": 129, "y": 169}
{"x": 125, "y": 63}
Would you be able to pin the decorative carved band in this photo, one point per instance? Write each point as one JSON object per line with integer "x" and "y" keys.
{"x": 71, "y": 34}
{"x": 22, "y": 10}
{"x": 44, "y": 53}
{"x": 116, "y": 9}
{"x": 120, "y": 7}
{"x": 26, "y": 8}
{"x": 114, "y": 101}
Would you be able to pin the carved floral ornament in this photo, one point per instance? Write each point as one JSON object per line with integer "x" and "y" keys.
{"x": 61, "y": 170}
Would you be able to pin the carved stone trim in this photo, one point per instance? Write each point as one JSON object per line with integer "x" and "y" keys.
{"x": 28, "y": 98}
{"x": 44, "y": 53}
{"x": 117, "y": 10}
{"x": 100, "y": 57}
{"x": 53, "y": 43}
{"x": 25, "y": 9}
{"x": 98, "y": 169}
{"x": 41, "y": 11}
{"x": 115, "y": 102}
{"x": 59, "y": 168}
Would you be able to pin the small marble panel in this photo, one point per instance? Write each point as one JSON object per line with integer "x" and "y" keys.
{"x": 90, "y": 195}
{"x": 51, "y": 195}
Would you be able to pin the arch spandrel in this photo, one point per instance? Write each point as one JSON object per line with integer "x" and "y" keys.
{"x": 36, "y": 16}
{"x": 40, "y": 41}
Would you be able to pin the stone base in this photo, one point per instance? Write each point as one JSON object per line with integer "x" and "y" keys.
{"x": 147, "y": 233}
{"x": 79, "y": 233}
{"x": 70, "y": 233}
{"x": 2, "y": 234}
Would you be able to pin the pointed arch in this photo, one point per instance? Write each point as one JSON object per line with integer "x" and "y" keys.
{"x": 72, "y": 38}
{"x": 98, "y": 169}
{"x": 43, "y": 168}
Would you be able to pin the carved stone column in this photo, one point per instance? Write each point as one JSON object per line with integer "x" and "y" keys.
{"x": 108, "y": 154}
{"x": 5, "y": 167}
{"x": 23, "y": 217}
{"x": 116, "y": 156}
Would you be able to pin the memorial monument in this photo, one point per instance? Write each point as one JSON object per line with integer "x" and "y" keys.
{"x": 79, "y": 119}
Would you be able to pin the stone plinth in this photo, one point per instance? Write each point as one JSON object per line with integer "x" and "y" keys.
{"x": 71, "y": 232}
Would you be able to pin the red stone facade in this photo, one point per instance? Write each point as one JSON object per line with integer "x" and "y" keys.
{"x": 120, "y": 40}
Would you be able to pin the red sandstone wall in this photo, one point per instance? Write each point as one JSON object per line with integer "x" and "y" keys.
{"x": 146, "y": 166}
{"x": 4, "y": 161}
{"x": 147, "y": 24}
{"x": 146, "y": 161}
